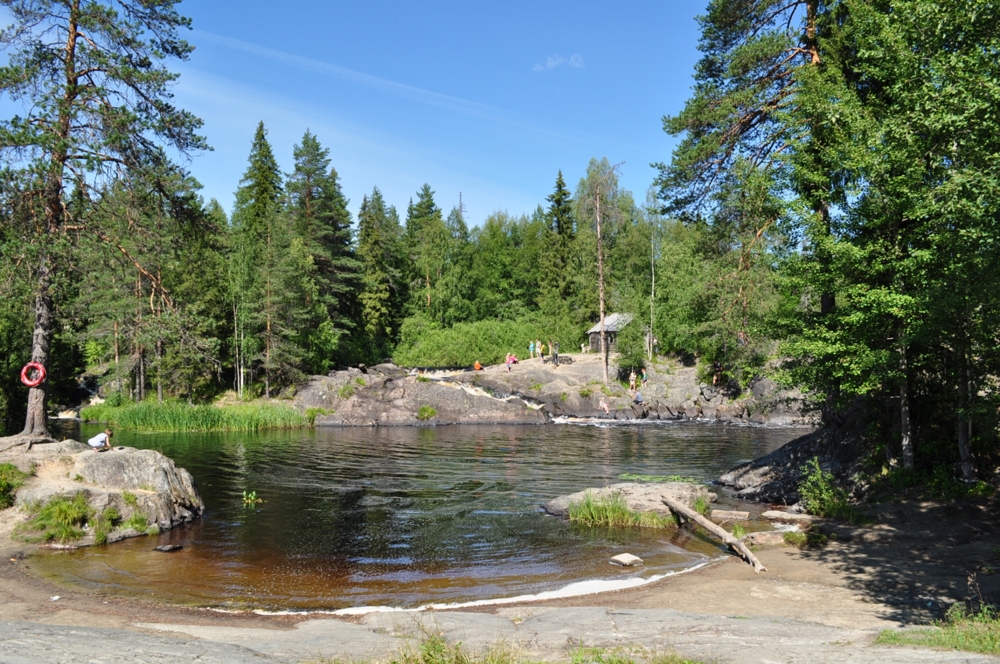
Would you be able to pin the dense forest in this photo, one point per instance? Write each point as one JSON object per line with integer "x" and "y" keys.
{"x": 829, "y": 218}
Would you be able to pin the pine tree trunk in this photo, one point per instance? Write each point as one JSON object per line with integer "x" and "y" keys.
{"x": 36, "y": 421}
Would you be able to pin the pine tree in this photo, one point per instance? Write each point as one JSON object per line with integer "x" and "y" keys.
{"x": 98, "y": 111}
{"x": 382, "y": 295}
{"x": 428, "y": 240}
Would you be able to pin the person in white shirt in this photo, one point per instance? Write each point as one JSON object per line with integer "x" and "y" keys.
{"x": 101, "y": 441}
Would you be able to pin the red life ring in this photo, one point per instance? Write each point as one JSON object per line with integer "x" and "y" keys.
{"x": 39, "y": 376}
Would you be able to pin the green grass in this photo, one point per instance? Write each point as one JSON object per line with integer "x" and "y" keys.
{"x": 634, "y": 477}
{"x": 130, "y": 499}
{"x": 423, "y": 379}
{"x": 346, "y": 391}
{"x": 425, "y": 413}
{"x": 960, "y": 630}
{"x": 137, "y": 521}
{"x": 60, "y": 519}
{"x": 105, "y": 523}
{"x": 586, "y": 393}
{"x": 810, "y": 539}
{"x": 738, "y": 530}
{"x": 535, "y": 387}
{"x": 360, "y": 381}
{"x": 176, "y": 416}
{"x": 313, "y": 413}
{"x": 11, "y": 480}
{"x": 613, "y": 511}
{"x": 702, "y": 505}
{"x": 622, "y": 655}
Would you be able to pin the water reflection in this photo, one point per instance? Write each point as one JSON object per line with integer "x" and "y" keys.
{"x": 402, "y": 516}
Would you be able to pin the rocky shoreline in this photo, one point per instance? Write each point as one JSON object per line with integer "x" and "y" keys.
{"x": 535, "y": 393}
{"x": 139, "y": 486}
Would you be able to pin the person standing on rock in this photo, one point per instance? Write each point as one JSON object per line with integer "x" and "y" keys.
{"x": 644, "y": 380}
{"x": 554, "y": 348}
{"x": 631, "y": 381}
{"x": 541, "y": 350}
{"x": 531, "y": 350}
{"x": 101, "y": 441}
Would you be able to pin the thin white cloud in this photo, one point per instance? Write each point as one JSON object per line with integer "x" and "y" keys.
{"x": 436, "y": 99}
{"x": 553, "y": 61}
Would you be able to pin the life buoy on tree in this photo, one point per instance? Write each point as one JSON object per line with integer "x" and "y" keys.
{"x": 39, "y": 374}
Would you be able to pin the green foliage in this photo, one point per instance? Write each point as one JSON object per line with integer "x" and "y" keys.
{"x": 251, "y": 500}
{"x": 313, "y": 413}
{"x": 173, "y": 416}
{"x": 104, "y": 523}
{"x": 130, "y": 499}
{"x": 738, "y": 530}
{"x": 822, "y": 496}
{"x": 360, "y": 381}
{"x": 11, "y": 479}
{"x": 61, "y": 519}
{"x": 425, "y": 343}
{"x": 136, "y": 521}
{"x": 961, "y": 629}
{"x": 585, "y": 393}
{"x": 423, "y": 379}
{"x": 345, "y": 391}
{"x": 702, "y": 505}
{"x": 612, "y": 511}
{"x": 425, "y": 413}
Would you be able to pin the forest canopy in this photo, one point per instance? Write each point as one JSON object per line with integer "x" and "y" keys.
{"x": 828, "y": 218}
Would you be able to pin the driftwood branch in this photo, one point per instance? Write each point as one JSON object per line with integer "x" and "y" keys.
{"x": 683, "y": 510}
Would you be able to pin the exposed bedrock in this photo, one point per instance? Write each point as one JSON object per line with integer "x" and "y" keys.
{"x": 534, "y": 392}
{"x": 640, "y": 497}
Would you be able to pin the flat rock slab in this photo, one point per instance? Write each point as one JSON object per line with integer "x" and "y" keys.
{"x": 550, "y": 633}
{"x": 640, "y": 497}
{"x": 775, "y": 515}
{"x": 626, "y": 560}
{"x": 765, "y": 538}
{"x": 730, "y": 515}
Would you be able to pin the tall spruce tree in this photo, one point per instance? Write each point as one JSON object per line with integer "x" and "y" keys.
{"x": 98, "y": 111}
{"x": 428, "y": 240}
{"x": 319, "y": 212}
{"x": 379, "y": 250}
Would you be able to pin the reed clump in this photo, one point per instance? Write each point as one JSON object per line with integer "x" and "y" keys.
{"x": 177, "y": 416}
{"x": 612, "y": 511}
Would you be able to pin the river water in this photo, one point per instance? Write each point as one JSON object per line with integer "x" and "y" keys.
{"x": 404, "y": 517}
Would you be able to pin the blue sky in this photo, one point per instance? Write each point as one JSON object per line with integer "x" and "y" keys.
{"x": 486, "y": 99}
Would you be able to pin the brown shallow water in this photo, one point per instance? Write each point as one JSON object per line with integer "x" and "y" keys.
{"x": 403, "y": 516}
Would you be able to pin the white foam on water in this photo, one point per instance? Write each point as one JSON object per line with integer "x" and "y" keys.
{"x": 572, "y": 590}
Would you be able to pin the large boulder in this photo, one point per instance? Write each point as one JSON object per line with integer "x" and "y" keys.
{"x": 165, "y": 494}
{"x": 640, "y": 497}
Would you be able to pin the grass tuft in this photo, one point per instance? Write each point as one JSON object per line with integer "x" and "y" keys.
{"x": 177, "y": 416}
{"x": 137, "y": 521}
{"x": 105, "y": 523}
{"x": 702, "y": 505}
{"x": 425, "y": 413}
{"x": 960, "y": 630}
{"x": 613, "y": 511}
{"x": 61, "y": 519}
{"x": 346, "y": 391}
{"x": 11, "y": 479}
{"x": 585, "y": 393}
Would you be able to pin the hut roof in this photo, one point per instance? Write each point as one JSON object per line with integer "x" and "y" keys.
{"x": 612, "y": 323}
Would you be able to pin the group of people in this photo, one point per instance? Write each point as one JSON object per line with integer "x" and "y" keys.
{"x": 538, "y": 349}
{"x": 634, "y": 389}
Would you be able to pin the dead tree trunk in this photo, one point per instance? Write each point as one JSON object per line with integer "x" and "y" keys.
{"x": 682, "y": 510}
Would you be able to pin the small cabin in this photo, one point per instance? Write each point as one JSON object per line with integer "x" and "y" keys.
{"x": 613, "y": 324}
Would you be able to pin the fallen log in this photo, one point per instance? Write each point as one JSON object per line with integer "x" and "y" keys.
{"x": 682, "y": 510}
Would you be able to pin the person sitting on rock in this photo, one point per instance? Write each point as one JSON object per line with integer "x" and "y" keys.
{"x": 477, "y": 366}
{"x": 604, "y": 405}
{"x": 101, "y": 441}
{"x": 638, "y": 399}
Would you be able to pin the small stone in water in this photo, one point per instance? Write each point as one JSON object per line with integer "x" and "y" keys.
{"x": 167, "y": 548}
{"x": 626, "y": 560}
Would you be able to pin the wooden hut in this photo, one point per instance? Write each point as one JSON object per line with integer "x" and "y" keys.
{"x": 613, "y": 324}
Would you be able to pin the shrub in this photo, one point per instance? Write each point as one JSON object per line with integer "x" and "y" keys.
{"x": 585, "y": 393}
{"x": 11, "y": 479}
{"x": 822, "y": 496}
{"x": 313, "y": 413}
{"x": 360, "y": 381}
{"x": 61, "y": 519}
{"x": 426, "y": 413}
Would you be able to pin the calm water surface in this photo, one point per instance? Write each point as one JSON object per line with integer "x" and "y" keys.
{"x": 402, "y": 516}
